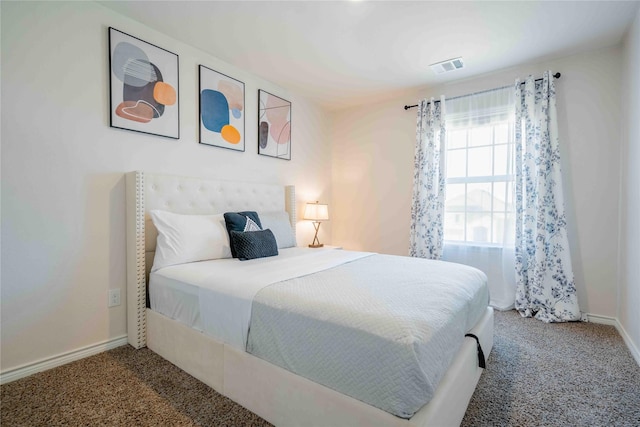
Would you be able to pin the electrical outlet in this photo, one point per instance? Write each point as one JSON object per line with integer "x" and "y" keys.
{"x": 114, "y": 297}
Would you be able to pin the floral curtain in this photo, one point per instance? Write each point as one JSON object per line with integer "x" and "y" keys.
{"x": 545, "y": 285}
{"x": 427, "y": 209}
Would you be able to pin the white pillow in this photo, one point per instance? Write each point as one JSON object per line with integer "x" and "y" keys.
{"x": 189, "y": 238}
{"x": 278, "y": 223}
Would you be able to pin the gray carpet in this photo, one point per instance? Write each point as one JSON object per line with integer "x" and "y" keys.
{"x": 577, "y": 374}
{"x": 562, "y": 374}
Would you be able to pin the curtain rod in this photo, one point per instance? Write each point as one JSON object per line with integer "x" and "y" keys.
{"x": 406, "y": 107}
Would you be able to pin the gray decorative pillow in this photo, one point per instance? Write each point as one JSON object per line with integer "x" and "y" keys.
{"x": 278, "y": 223}
{"x": 254, "y": 244}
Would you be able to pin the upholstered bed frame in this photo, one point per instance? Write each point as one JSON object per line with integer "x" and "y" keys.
{"x": 273, "y": 393}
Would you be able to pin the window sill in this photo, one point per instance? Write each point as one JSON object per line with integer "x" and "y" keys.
{"x": 475, "y": 245}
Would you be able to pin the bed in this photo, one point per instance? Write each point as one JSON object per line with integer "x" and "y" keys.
{"x": 276, "y": 394}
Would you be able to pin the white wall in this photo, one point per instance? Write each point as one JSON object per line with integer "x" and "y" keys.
{"x": 63, "y": 213}
{"x": 629, "y": 299}
{"x": 372, "y": 155}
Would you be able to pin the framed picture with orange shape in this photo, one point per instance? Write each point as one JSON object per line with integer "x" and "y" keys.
{"x": 222, "y": 110}
{"x": 144, "y": 95}
{"x": 274, "y": 126}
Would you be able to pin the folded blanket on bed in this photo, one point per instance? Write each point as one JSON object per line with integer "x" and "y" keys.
{"x": 382, "y": 329}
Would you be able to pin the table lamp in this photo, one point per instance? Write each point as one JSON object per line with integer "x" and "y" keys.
{"x": 316, "y": 212}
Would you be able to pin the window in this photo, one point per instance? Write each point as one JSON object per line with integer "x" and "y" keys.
{"x": 479, "y": 153}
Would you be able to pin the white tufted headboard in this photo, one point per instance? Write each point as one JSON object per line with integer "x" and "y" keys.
{"x": 148, "y": 191}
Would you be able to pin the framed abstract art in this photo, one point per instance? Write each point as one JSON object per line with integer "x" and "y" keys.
{"x": 144, "y": 86}
{"x": 222, "y": 110}
{"x": 274, "y": 126}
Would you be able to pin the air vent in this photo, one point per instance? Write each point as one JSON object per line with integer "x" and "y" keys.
{"x": 448, "y": 65}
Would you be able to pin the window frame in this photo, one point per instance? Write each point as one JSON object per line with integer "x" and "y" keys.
{"x": 507, "y": 179}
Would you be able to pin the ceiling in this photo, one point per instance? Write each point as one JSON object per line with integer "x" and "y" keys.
{"x": 345, "y": 53}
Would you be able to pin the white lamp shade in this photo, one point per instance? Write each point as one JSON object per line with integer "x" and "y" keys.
{"x": 316, "y": 212}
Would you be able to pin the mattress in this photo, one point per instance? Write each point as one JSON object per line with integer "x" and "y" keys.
{"x": 305, "y": 309}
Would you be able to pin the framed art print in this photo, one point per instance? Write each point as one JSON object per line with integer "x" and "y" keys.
{"x": 274, "y": 126}
{"x": 143, "y": 86}
{"x": 221, "y": 110}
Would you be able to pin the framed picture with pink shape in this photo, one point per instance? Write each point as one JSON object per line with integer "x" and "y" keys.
{"x": 222, "y": 110}
{"x": 274, "y": 126}
{"x": 144, "y": 95}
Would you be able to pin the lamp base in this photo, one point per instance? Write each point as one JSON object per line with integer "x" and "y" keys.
{"x": 316, "y": 243}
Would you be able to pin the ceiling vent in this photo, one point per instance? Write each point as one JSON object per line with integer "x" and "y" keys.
{"x": 448, "y": 65}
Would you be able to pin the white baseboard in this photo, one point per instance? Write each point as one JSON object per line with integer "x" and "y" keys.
{"x": 603, "y": 320}
{"x": 630, "y": 344}
{"x": 61, "y": 359}
{"x": 594, "y": 318}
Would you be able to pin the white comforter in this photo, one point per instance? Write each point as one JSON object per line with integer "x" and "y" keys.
{"x": 226, "y": 287}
